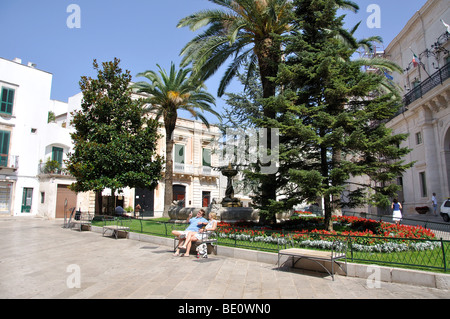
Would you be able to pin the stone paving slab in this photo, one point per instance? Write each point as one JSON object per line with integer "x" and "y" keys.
{"x": 40, "y": 259}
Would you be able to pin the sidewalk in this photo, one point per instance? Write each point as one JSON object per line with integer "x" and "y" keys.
{"x": 40, "y": 259}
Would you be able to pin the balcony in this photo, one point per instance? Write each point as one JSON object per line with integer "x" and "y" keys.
{"x": 181, "y": 168}
{"x": 203, "y": 171}
{"x": 209, "y": 171}
{"x": 423, "y": 88}
{"x": 9, "y": 161}
{"x": 52, "y": 168}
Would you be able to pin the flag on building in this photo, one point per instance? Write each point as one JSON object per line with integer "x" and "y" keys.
{"x": 446, "y": 26}
{"x": 415, "y": 60}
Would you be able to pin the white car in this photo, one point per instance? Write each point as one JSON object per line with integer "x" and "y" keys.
{"x": 445, "y": 210}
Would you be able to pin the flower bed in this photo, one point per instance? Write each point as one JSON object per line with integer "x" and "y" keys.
{"x": 367, "y": 235}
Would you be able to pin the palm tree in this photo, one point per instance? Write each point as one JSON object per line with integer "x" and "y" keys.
{"x": 168, "y": 93}
{"x": 246, "y": 31}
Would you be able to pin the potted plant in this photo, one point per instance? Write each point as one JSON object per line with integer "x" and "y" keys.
{"x": 52, "y": 167}
{"x": 422, "y": 210}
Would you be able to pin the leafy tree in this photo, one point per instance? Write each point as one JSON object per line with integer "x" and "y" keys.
{"x": 114, "y": 143}
{"x": 332, "y": 118}
{"x": 249, "y": 32}
{"x": 168, "y": 93}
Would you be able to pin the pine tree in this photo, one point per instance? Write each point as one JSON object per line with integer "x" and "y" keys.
{"x": 331, "y": 117}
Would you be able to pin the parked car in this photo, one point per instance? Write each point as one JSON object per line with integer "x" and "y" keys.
{"x": 445, "y": 210}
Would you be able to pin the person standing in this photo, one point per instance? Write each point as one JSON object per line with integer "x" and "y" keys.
{"x": 434, "y": 201}
{"x": 396, "y": 211}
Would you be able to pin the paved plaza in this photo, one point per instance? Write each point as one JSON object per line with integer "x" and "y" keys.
{"x": 40, "y": 259}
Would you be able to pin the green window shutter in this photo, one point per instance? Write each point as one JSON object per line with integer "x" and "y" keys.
{"x": 4, "y": 147}
{"x": 179, "y": 154}
{"x": 206, "y": 160}
{"x": 7, "y": 100}
{"x": 57, "y": 154}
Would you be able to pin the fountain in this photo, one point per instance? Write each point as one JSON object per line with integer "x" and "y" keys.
{"x": 229, "y": 200}
{"x": 229, "y": 209}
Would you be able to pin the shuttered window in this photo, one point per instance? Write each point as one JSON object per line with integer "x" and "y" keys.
{"x": 4, "y": 148}
{"x": 57, "y": 154}
{"x": 7, "y": 100}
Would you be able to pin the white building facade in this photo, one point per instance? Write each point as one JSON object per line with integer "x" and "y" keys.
{"x": 422, "y": 50}
{"x": 35, "y": 140}
{"x": 25, "y": 96}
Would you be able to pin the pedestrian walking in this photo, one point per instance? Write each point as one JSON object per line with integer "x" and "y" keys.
{"x": 396, "y": 211}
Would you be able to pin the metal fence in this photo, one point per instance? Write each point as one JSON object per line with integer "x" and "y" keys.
{"x": 427, "y": 254}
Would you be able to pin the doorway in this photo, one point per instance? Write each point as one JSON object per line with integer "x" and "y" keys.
{"x": 179, "y": 193}
{"x": 146, "y": 199}
{"x": 27, "y": 200}
{"x": 206, "y": 199}
{"x": 65, "y": 199}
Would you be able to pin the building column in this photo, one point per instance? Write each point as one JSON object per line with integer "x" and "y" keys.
{"x": 433, "y": 178}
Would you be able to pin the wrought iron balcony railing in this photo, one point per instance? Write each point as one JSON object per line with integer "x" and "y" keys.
{"x": 427, "y": 85}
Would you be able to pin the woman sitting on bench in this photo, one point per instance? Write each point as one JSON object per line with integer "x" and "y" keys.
{"x": 195, "y": 224}
{"x": 194, "y": 236}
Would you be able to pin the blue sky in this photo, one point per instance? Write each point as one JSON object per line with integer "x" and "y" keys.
{"x": 141, "y": 33}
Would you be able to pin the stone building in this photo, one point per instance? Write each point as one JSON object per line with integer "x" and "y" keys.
{"x": 422, "y": 50}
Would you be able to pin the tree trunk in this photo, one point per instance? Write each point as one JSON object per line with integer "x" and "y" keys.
{"x": 328, "y": 211}
{"x": 336, "y": 199}
{"x": 168, "y": 178}
{"x": 269, "y": 57}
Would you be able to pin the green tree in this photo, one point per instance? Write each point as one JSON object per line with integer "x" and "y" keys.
{"x": 114, "y": 143}
{"x": 332, "y": 118}
{"x": 168, "y": 93}
{"x": 248, "y": 32}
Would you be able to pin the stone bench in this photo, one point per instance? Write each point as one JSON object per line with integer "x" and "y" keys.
{"x": 209, "y": 238}
{"x": 317, "y": 256}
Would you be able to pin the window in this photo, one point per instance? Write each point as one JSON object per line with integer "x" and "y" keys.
{"x": 206, "y": 158}
{"x": 7, "y": 100}
{"x": 57, "y": 154}
{"x": 179, "y": 154}
{"x": 417, "y": 89}
{"x": 4, "y": 148}
{"x": 27, "y": 199}
{"x": 418, "y": 138}
{"x": 423, "y": 184}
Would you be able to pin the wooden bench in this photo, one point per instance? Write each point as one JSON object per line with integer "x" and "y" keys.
{"x": 119, "y": 225}
{"x": 317, "y": 256}
{"x": 208, "y": 237}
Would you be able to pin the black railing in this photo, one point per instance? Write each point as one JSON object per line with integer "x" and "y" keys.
{"x": 427, "y": 254}
{"x": 427, "y": 85}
